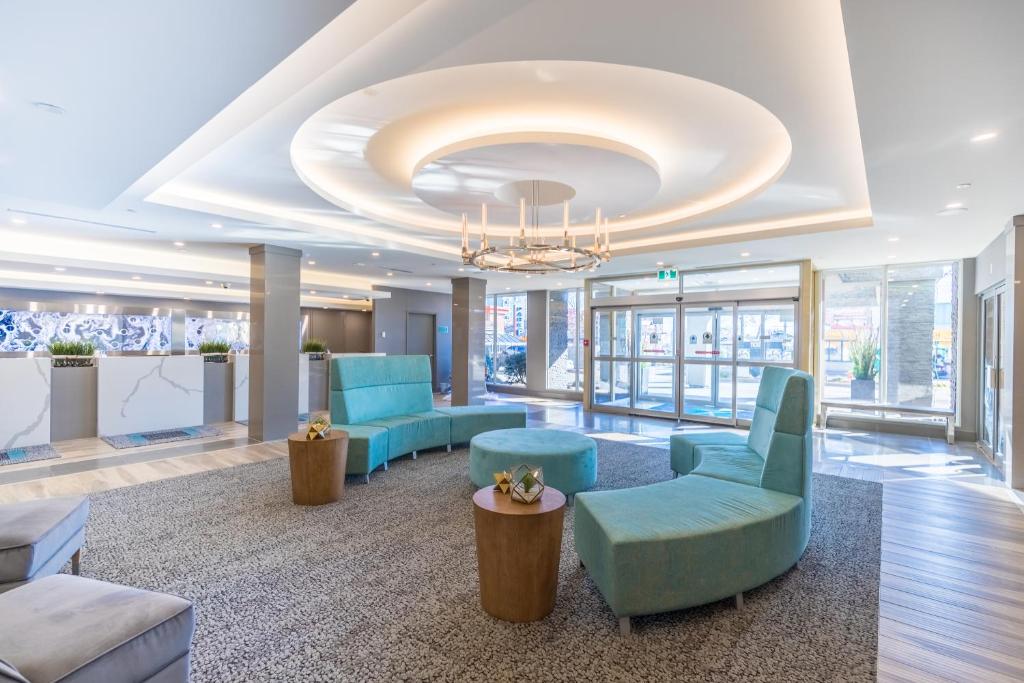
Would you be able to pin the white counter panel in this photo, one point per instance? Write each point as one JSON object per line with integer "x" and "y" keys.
{"x": 241, "y": 399}
{"x": 25, "y": 405}
{"x": 148, "y": 393}
{"x": 303, "y": 384}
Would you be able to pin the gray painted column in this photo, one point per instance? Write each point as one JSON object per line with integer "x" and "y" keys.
{"x": 1012, "y": 389}
{"x": 537, "y": 340}
{"x": 469, "y": 303}
{"x": 273, "y": 342}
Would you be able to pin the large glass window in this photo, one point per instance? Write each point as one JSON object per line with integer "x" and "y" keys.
{"x": 565, "y": 340}
{"x": 506, "y": 339}
{"x": 889, "y": 335}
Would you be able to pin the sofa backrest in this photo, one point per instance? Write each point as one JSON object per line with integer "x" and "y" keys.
{"x": 781, "y": 430}
{"x": 365, "y": 388}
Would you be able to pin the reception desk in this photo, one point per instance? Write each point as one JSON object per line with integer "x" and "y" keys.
{"x": 148, "y": 393}
{"x": 24, "y": 402}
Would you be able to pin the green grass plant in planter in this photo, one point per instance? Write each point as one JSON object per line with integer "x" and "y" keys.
{"x": 865, "y": 363}
{"x": 215, "y": 351}
{"x": 72, "y": 354}
{"x": 316, "y": 348}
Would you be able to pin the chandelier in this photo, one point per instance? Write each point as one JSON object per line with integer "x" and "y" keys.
{"x": 533, "y": 253}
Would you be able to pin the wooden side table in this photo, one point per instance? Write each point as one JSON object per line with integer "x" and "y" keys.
{"x": 518, "y": 548}
{"x": 318, "y": 467}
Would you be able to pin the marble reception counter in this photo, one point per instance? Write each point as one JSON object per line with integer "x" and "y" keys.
{"x": 25, "y": 402}
{"x": 148, "y": 393}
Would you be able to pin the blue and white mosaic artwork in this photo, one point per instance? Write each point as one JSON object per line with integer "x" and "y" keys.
{"x": 34, "y": 330}
{"x": 234, "y": 332}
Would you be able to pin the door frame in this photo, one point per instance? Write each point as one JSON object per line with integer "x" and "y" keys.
{"x": 996, "y": 294}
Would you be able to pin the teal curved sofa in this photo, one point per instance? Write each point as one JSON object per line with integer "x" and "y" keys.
{"x": 386, "y": 404}
{"x": 738, "y": 517}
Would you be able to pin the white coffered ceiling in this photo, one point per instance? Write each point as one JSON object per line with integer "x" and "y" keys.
{"x": 359, "y": 131}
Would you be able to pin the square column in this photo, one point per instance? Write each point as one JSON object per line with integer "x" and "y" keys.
{"x": 273, "y": 342}
{"x": 469, "y": 303}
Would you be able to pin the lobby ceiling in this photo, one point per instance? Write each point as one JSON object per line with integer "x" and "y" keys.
{"x": 359, "y": 131}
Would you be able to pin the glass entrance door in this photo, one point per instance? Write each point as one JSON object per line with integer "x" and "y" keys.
{"x": 991, "y": 375}
{"x": 708, "y": 384}
{"x": 654, "y": 356}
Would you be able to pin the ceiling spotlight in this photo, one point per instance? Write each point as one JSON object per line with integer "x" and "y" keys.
{"x": 391, "y": 274}
{"x": 894, "y": 239}
{"x": 187, "y": 298}
{"x": 325, "y": 308}
{"x": 311, "y": 262}
{"x": 100, "y": 293}
{"x": 179, "y": 244}
{"x": 209, "y": 282}
{"x": 744, "y": 254}
{"x": 660, "y": 263}
{"x": 952, "y": 210}
{"x": 430, "y": 284}
{"x": 216, "y": 226}
{"x": 954, "y": 205}
{"x": 375, "y": 253}
{"x": 507, "y": 288}
{"x": 59, "y": 269}
{"x": 963, "y": 186}
{"x": 136, "y": 277}
{"x": 558, "y": 284}
{"x": 462, "y": 270}
{"x": 49, "y": 108}
{"x": 344, "y": 296}
{"x": 312, "y": 291}
{"x": 982, "y": 137}
{"x": 528, "y": 277}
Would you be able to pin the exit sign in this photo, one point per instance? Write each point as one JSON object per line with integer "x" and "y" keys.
{"x": 668, "y": 274}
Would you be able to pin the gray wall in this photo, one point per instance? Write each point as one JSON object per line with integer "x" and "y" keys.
{"x": 991, "y": 265}
{"x": 389, "y": 318}
{"x": 342, "y": 331}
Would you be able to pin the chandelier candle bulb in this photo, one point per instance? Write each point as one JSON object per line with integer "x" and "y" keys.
{"x": 465, "y": 234}
{"x": 522, "y": 220}
{"x": 565, "y": 223}
{"x": 606, "y": 239}
{"x": 597, "y": 229}
{"x": 483, "y": 225}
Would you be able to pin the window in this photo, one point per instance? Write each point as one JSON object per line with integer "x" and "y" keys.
{"x": 640, "y": 285}
{"x": 505, "y": 338}
{"x": 888, "y": 335}
{"x": 565, "y": 340}
{"x": 755, "y": 277}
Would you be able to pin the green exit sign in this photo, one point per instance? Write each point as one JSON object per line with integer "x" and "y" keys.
{"x": 668, "y": 274}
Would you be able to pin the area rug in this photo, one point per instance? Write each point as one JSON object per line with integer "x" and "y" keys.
{"x": 163, "y": 436}
{"x": 382, "y": 586}
{"x": 15, "y": 456}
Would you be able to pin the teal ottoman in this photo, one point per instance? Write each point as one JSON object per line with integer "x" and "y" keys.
{"x": 569, "y": 459}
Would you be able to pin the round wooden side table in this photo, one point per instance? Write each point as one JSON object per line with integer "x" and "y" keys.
{"x": 318, "y": 467}
{"x": 518, "y": 547}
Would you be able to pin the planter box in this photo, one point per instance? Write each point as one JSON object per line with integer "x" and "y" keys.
{"x": 862, "y": 390}
{"x": 72, "y": 403}
{"x": 319, "y": 380}
{"x": 218, "y": 392}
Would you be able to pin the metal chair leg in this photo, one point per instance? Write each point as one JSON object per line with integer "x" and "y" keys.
{"x": 449, "y": 448}
{"x": 624, "y": 626}
{"x": 414, "y": 455}
{"x": 739, "y": 601}
{"x": 76, "y": 562}
{"x": 367, "y": 477}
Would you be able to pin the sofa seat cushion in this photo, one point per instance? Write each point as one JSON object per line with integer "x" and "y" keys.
{"x": 33, "y": 533}
{"x": 367, "y": 447}
{"x": 682, "y": 454}
{"x": 68, "y": 628}
{"x": 468, "y": 421}
{"x": 685, "y": 542}
{"x": 732, "y": 463}
{"x": 408, "y": 433}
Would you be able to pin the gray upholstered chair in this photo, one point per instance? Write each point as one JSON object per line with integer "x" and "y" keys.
{"x": 77, "y": 630}
{"x": 39, "y": 537}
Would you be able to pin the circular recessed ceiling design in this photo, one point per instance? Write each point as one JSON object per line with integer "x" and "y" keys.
{"x": 657, "y": 146}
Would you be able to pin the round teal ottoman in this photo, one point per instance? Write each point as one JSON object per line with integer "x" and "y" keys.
{"x": 569, "y": 459}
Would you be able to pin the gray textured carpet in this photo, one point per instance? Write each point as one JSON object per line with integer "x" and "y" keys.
{"x": 382, "y": 586}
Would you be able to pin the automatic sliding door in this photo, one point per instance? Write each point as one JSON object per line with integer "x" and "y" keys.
{"x": 765, "y": 335}
{"x": 708, "y": 358}
{"x": 654, "y": 360}
{"x": 612, "y": 365}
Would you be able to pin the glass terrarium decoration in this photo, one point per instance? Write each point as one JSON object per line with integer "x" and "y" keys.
{"x": 503, "y": 481}
{"x": 527, "y": 483}
{"x": 319, "y": 428}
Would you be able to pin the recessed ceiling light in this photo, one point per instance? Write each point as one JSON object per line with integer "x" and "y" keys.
{"x": 187, "y": 298}
{"x": 100, "y": 293}
{"x": 462, "y": 270}
{"x": 325, "y": 308}
{"x": 209, "y": 282}
{"x": 963, "y": 186}
{"x": 954, "y": 205}
{"x": 360, "y": 264}
{"x": 312, "y": 291}
{"x": 982, "y": 137}
{"x": 622, "y": 215}
{"x": 744, "y": 254}
{"x": 507, "y": 288}
{"x": 179, "y": 244}
{"x": 19, "y": 220}
{"x": 528, "y": 277}
{"x": 344, "y": 296}
{"x": 660, "y": 263}
{"x": 430, "y": 284}
{"x": 375, "y": 253}
{"x": 216, "y": 226}
{"x": 951, "y": 211}
{"x": 391, "y": 274}
{"x": 558, "y": 284}
{"x": 136, "y": 277}
{"x": 59, "y": 269}
{"x": 49, "y": 108}
{"x": 894, "y": 239}
{"x": 311, "y": 263}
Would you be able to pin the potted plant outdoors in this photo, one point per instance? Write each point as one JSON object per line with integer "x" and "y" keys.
{"x": 864, "y": 357}
{"x": 214, "y": 351}
{"x": 316, "y": 348}
{"x": 72, "y": 354}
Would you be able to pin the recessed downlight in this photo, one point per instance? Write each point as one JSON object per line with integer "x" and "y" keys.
{"x": 964, "y": 186}
{"x": 375, "y": 254}
{"x": 430, "y": 284}
{"x": 391, "y": 274}
{"x": 744, "y": 254}
{"x": 952, "y": 211}
{"x": 179, "y": 244}
{"x": 984, "y": 137}
{"x": 216, "y": 226}
{"x": 954, "y": 205}
{"x": 136, "y": 277}
{"x": 311, "y": 262}
{"x": 209, "y": 282}
{"x": 59, "y": 269}
{"x": 660, "y": 263}
{"x": 312, "y": 291}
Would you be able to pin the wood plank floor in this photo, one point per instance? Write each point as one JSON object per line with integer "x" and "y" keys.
{"x": 952, "y": 583}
